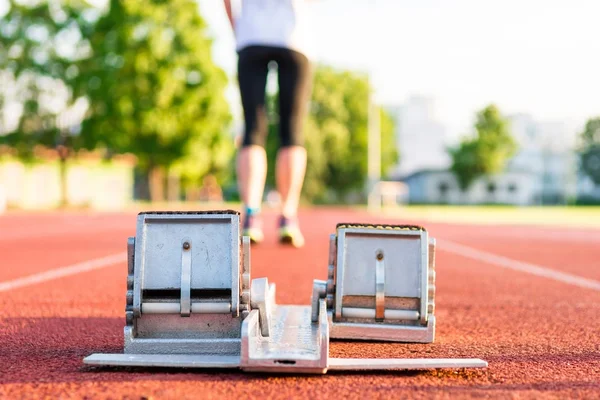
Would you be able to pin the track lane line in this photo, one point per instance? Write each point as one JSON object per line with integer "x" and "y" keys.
{"x": 62, "y": 272}
{"x": 53, "y": 232}
{"x": 516, "y": 265}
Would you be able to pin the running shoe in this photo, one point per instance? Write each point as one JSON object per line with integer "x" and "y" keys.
{"x": 289, "y": 232}
{"x": 253, "y": 228}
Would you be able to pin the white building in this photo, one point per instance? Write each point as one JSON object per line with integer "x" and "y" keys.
{"x": 546, "y": 150}
{"x": 420, "y": 136}
{"x": 544, "y": 170}
{"x": 441, "y": 186}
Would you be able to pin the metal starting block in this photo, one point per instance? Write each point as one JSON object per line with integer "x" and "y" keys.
{"x": 381, "y": 283}
{"x": 191, "y": 303}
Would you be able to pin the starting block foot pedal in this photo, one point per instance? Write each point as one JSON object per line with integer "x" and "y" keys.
{"x": 381, "y": 283}
{"x": 191, "y": 303}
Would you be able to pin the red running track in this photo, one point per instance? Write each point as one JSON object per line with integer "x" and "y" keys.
{"x": 540, "y": 334}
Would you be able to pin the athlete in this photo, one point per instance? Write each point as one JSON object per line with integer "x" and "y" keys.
{"x": 272, "y": 31}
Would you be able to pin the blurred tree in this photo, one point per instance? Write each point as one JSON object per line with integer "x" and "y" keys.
{"x": 591, "y": 134}
{"x": 488, "y": 152}
{"x": 154, "y": 91}
{"x": 40, "y": 43}
{"x": 590, "y": 150}
{"x": 335, "y": 136}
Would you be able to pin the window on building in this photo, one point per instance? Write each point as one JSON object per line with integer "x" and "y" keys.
{"x": 491, "y": 188}
{"x": 443, "y": 188}
{"x": 512, "y": 188}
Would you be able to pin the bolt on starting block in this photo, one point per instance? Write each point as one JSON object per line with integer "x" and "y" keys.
{"x": 191, "y": 302}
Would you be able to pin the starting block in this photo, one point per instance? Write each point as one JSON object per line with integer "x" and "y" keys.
{"x": 381, "y": 283}
{"x": 191, "y": 302}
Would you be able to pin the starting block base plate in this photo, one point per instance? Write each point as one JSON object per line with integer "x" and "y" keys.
{"x": 163, "y": 360}
{"x": 233, "y": 362}
{"x": 295, "y": 344}
{"x": 373, "y": 364}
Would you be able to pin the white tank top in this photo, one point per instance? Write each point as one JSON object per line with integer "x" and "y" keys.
{"x": 280, "y": 23}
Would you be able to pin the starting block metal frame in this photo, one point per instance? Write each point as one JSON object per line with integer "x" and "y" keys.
{"x": 191, "y": 303}
{"x": 381, "y": 283}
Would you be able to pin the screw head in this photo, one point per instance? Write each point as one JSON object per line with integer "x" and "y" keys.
{"x": 186, "y": 245}
{"x": 379, "y": 255}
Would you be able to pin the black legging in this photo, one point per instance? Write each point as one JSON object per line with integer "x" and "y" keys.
{"x": 294, "y": 72}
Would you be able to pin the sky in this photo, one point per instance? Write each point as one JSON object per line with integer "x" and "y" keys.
{"x": 540, "y": 57}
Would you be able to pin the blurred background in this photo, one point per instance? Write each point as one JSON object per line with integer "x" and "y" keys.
{"x": 106, "y": 104}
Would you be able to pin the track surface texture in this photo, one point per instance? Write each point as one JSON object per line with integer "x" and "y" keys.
{"x": 526, "y": 299}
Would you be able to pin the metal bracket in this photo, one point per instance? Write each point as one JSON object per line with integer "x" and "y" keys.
{"x": 186, "y": 277}
{"x": 379, "y": 286}
{"x": 246, "y": 329}
{"x": 261, "y": 302}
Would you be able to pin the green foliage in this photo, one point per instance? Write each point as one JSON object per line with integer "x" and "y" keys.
{"x": 40, "y": 42}
{"x": 144, "y": 68}
{"x": 590, "y": 162}
{"x": 467, "y": 164}
{"x": 591, "y": 134}
{"x": 485, "y": 154}
{"x": 154, "y": 90}
{"x": 336, "y": 136}
{"x": 590, "y": 150}
{"x": 389, "y": 148}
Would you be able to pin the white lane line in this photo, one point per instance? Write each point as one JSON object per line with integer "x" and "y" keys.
{"x": 54, "y": 232}
{"x": 517, "y": 265}
{"x": 61, "y": 272}
{"x": 558, "y": 236}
